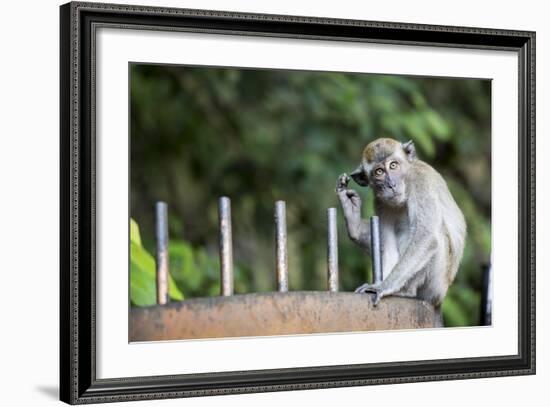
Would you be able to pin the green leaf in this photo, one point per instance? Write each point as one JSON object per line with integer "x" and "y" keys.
{"x": 134, "y": 232}
{"x": 143, "y": 274}
{"x": 173, "y": 290}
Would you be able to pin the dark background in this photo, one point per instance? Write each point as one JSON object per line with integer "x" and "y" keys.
{"x": 258, "y": 136}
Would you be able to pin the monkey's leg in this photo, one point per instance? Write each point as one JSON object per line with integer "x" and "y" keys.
{"x": 411, "y": 270}
{"x": 411, "y": 289}
{"x": 405, "y": 294}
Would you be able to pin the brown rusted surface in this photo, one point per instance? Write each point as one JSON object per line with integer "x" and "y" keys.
{"x": 263, "y": 314}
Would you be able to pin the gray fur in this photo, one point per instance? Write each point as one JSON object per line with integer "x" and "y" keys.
{"x": 422, "y": 229}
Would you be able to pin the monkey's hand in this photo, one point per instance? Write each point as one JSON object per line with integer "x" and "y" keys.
{"x": 343, "y": 181}
{"x": 358, "y": 230}
{"x": 349, "y": 199}
{"x": 372, "y": 288}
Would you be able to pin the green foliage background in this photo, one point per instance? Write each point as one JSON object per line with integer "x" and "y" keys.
{"x": 258, "y": 136}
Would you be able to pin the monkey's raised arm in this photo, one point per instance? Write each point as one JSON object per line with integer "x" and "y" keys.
{"x": 358, "y": 229}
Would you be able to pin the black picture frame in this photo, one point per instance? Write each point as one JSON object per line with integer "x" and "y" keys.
{"x": 78, "y": 382}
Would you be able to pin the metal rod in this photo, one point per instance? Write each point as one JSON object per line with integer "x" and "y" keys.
{"x": 332, "y": 250}
{"x": 487, "y": 296}
{"x": 375, "y": 250}
{"x": 281, "y": 252}
{"x": 226, "y": 246}
{"x": 161, "y": 231}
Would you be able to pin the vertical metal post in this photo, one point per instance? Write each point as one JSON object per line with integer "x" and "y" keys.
{"x": 281, "y": 254}
{"x": 226, "y": 246}
{"x": 161, "y": 232}
{"x": 486, "y": 317}
{"x": 375, "y": 249}
{"x": 332, "y": 250}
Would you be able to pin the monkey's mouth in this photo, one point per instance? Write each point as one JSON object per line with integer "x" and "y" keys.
{"x": 390, "y": 195}
{"x": 391, "y": 192}
{"x": 393, "y": 197}
{"x": 396, "y": 196}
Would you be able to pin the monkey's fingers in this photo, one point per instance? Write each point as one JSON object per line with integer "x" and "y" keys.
{"x": 342, "y": 196}
{"x": 343, "y": 181}
{"x": 353, "y": 196}
{"x": 366, "y": 288}
{"x": 348, "y": 196}
{"x": 371, "y": 288}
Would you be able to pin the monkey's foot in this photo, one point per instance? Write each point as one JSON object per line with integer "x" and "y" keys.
{"x": 371, "y": 288}
{"x": 367, "y": 288}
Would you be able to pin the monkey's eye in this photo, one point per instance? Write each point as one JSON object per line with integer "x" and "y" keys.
{"x": 378, "y": 172}
{"x": 394, "y": 165}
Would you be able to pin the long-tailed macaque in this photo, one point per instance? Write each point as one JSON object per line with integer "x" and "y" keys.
{"x": 422, "y": 230}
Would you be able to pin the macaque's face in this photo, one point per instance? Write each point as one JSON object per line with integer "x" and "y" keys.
{"x": 387, "y": 179}
{"x": 384, "y": 168}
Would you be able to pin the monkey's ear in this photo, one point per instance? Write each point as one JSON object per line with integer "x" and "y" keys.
{"x": 359, "y": 176}
{"x": 409, "y": 149}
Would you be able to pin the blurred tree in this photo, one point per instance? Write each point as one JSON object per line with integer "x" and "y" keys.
{"x": 257, "y": 136}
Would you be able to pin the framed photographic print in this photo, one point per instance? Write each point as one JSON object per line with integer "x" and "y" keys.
{"x": 248, "y": 202}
